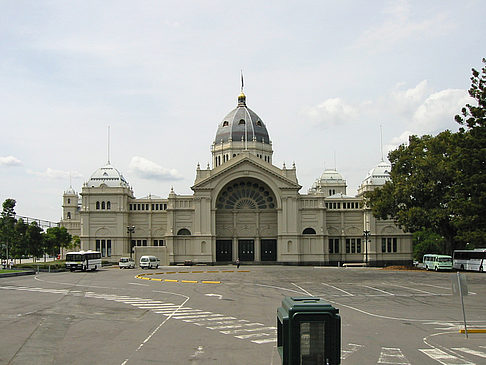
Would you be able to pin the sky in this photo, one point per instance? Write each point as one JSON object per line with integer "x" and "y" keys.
{"x": 337, "y": 83}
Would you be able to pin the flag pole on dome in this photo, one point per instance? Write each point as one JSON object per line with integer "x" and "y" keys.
{"x": 242, "y": 83}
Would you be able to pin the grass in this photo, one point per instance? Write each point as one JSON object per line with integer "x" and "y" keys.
{"x": 3, "y": 271}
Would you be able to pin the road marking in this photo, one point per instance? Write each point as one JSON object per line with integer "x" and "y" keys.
{"x": 470, "y": 351}
{"x": 252, "y": 335}
{"x": 267, "y": 340}
{"x": 335, "y": 287}
{"x": 420, "y": 291}
{"x": 233, "y": 332}
{"x": 381, "y": 291}
{"x": 219, "y": 296}
{"x": 138, "y": 284}
{"x": 392, "y": 355}
{"x": 347, "y": 353}
{"x": 444, "y": 358}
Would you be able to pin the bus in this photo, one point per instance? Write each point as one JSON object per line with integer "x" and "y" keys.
{"x": 472, "y": 260}
{"x": 83, "y": 260}
{"x": 437, "y": 262}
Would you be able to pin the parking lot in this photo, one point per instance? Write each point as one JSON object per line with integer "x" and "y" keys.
{"x": 221, "y": 315}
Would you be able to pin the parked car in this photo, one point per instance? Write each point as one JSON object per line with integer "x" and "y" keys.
{"x": 126, "y": 263}
{"x": 149, "y": 262}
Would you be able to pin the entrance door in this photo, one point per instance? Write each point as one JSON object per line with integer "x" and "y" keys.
{"x": 269, "y": 250}
{"x": 224, "y": 251}
{"x": 246, "y": 250}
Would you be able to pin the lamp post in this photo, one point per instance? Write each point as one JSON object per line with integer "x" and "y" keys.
{"x": 130, "y": 231}
{"x": 366, "y": 234}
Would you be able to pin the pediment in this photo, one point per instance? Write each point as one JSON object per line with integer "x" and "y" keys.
{"x": 247, "y": 166}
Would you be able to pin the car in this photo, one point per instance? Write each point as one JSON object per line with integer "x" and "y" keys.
{"x": 126, "y": 263}
{"x": 149, "y": 262}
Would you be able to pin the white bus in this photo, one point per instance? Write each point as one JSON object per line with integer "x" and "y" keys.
{"x": 437, "y": 262}
{"x": 473, "y": 260}
{"x": 83, "y": 260}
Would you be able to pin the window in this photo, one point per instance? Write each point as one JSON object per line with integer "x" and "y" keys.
{"x": 144, "y": 242}
{"x": 102, "y": 205}
{"x": 159, "y": 243}
{"x": 225, "y": 123}
{"x": 68, "y": 215}
{"x": 353, "y": 245}
{"x": 259, "y": 123}
{"x": 333, "y": 245}
{"x": 183, "y": 232}
{"x": 130, "y": 207}
{"x": 108, "y": 248}
{"x": 389, "y": 244}
{"x": 97, "y": 205}
{"x": 241, "y": 122}
{"x": 309, "y": 231}
{"x": 108, "y": 205}
{"x": 69, "y": 200}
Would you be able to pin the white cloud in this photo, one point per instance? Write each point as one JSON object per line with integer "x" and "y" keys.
{"x": 436, "y": 112}
{"x": 10, "y": 161}
{"x": 331, "y": 112}
{"x": 147, "y": 169}
{"x": 56, "y": 174}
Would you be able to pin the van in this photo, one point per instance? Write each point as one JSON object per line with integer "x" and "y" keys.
{"x": 437, "y": 262}
{"x": 126, "y": 263}
{"x": 149, "y": 262}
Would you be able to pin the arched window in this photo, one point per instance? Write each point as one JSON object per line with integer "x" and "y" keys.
{"x": 69, "y": 200}
{"x": 97, "y": 205}
{"x": 246, "y": 194}
{"x": 183, "y": 232}
{"x": 225, "y": 123}
{"x": 309, "y": 231}
{"x": 69, "y": 215}
{"x": 259, "y": 123}
{"x": 108, "y": 205}
{"x": 241, "y": 122}
{"x": 102, "y": 205}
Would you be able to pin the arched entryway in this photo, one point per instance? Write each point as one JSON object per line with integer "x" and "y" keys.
{"x": 246, "y": 222}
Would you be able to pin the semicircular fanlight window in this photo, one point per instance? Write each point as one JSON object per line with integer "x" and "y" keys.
{"x": 245, "y": 195}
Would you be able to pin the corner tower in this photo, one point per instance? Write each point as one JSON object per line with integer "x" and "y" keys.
{"x": 241, "y": 130}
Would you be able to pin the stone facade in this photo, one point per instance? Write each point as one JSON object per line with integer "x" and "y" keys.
{"x": 243, "y": 207}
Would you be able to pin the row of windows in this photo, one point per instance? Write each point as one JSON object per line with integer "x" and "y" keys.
{"x": 353, "y": 245}
{"x": 104, "y": 246}
{"x": 266, "y": 158}
{"x": 389, "y": 245}
{"x": 345, "y": 205}
{"x": 144, "y": 206}
{"x": 241, "y": 122}
{"x": 144, "y": 243}
{"x": 103, "y": 205}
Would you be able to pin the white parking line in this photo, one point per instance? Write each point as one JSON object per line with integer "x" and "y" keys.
{"x": 444, "y": 358}
{"x": 381, "y": 291}
{"x": 335, "y": 287}
{"x": 470, "y": 351}
{"x": 392, "y": 355}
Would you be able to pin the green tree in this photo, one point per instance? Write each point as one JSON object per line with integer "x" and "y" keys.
{"x": 55, "y": 238}
{"x": 35, "y": 245}
{"x": 426, "y": 242}
{"x": 7, "y": 226}
{"x": 19, "y": 248}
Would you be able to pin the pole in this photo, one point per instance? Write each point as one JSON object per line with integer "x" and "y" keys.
{"x": 462, "y": 303}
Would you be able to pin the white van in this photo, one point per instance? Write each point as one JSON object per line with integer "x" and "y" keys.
{"x": 126, "y": 263}
{"x": 149, "y": 262}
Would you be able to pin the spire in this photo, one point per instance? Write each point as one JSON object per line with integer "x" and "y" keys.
{"x": 381, "y": 141}
{"x": 108, "y": 145}
{"x": 242, "y": 96}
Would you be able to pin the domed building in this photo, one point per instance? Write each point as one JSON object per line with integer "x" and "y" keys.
{"x": 242, "y": 208}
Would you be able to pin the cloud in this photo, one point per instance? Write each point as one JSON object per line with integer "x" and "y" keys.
{"x": 149, "y": 170}
{"x": 438, "y": 109}
{"x": 56, "y": 174}
{"x": 331, "y": 112}
{"x": 10, "y": 161}
{"x": 399, "y": 25}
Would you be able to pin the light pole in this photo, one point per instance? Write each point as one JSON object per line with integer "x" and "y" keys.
{"x": 366, "y": 234}
{"x": 130, "y": 231}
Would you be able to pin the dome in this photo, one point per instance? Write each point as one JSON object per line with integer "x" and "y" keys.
{"x": 331, "y": 176}
{"x": 109, "y": 176}
{"x": 239, "y": 121}
{"x": 379, "y": 175}
{"x": 70, "y": 191}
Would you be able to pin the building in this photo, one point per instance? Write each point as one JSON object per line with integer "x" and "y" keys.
{"x": 243, "y": 207}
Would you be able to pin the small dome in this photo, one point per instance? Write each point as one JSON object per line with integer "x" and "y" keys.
{"x": 109, "y": 176}
{"x": 70, "y": 191}
{"x": 241, "y": 121}
{"x": 378, "y": 175}
{"x": 332, "y": 175}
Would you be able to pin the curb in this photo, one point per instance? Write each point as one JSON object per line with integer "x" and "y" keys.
{"x": 21, "y": 273}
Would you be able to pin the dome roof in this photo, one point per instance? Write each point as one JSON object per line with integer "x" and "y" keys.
{"x": 378, "y": 175}
{"x": 331, "y": 176}
{"x": 70, "y": 191}
{"x": 239, "y": 121}
{"x": 109, "y": 176}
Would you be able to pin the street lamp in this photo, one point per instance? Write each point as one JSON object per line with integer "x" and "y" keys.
{"x": 130, "y": 231}
{"x": 366, "y": 234}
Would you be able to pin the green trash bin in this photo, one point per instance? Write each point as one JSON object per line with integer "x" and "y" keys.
{"x": 308, "y": 332}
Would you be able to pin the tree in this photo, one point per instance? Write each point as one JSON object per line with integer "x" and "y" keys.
{"x": 34, "y": 240}
{"x": 19, "y": 248}
{"x": 7, "y": 226}
{"x": 426, "y": 242}
{"x": 55, "y": 238}
{"x": 438, "y": 183}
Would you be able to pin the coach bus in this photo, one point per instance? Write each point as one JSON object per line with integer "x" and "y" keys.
{"x": 83, "y": 260}
{"x": 437, "y": 262}
{"x": 472, "y": 260}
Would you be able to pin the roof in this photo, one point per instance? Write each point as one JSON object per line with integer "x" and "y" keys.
{"x": 109, "y": 176}
{"x": 378, "y": 175}
{"x": 241, "y": 122}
